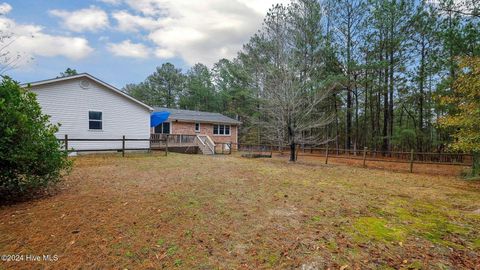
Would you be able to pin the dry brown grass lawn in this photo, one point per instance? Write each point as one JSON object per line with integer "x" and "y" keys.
{"x": 227, "y": 212}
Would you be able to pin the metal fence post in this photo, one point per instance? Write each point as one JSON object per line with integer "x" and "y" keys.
{"x": 123, "y": 146}
{"x": 364, "y": 156}
{"x": 411, "y": 160}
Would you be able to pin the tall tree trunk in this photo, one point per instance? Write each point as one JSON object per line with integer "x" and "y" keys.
{"x": 337, "y": 135}
{"x": 386, "y": 110}
{"x": 357, "y": 131}
{"x": 391, "y": 95}
{"x": 365, "y": 108}
{"x": 378, "y": 111}
{"x": 391, "y": 49}
{"x": 421, "y": 97}
{"x": 348, "y": 127}
{"x": 292, "y": 143}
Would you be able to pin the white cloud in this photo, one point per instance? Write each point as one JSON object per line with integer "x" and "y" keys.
{"x": 88, "y": 19}
{"x": 128, "y": 49}
{"x": 111, "y": 2}
{"x": 132, "y": 23}
{"x": 5, "y": 8}
{"x": 164, "y": 53}
{"x": 197, "y": 31}
{"x": 29, "y": 41}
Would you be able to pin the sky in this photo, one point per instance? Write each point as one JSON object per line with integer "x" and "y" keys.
{"x": 123, "y": 41}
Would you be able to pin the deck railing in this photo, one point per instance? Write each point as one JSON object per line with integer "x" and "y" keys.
{"x": 161, "y": 140}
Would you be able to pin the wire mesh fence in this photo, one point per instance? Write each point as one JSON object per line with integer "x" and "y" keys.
{"x": 365, "y": 155}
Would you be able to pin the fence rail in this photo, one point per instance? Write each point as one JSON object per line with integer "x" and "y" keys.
{"x": 411, "y": 158}
{"x": 156, "y": 141}
{"x": 66, "y": 140}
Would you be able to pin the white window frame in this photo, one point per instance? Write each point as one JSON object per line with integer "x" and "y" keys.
{"x": 95, "y": 120}
{"x": 218, "y": 129}
{"x": 199, "y": 128}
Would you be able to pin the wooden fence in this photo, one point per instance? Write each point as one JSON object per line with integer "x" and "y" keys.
{"x": 156, "y": 141}
{"x": 66, "y": 140}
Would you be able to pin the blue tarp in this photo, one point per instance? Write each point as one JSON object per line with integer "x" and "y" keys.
{"x": 157, "y": 118}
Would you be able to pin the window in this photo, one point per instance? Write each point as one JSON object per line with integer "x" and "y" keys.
{"x": 197, "y": 127}
{"x": 163, "y": 128}
{"x": 221, "y": 130}
{"x": 94, "y": 120}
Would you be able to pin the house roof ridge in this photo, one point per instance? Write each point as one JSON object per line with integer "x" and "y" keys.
{"x": 197, "y": 116}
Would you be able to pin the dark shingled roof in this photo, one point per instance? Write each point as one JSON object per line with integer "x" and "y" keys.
{"x": 196, "y": 116}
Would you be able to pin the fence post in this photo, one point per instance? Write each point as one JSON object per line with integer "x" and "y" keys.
{"x": 150, "y": 144}
{"x": 364, "y": 156}
{"x": 326, "y": 154}
{"x": 66, "y": 143}
{"x": 166, "y": 145}
{"x": 411, "y": 160}
{"x": 123, "y": 146}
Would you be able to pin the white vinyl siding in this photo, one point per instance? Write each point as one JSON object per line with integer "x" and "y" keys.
{"x": 69, "y": 104}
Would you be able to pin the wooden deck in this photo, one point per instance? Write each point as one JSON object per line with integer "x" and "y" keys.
{"x": 188, "y": 144}
{"x": 160, "y": 141}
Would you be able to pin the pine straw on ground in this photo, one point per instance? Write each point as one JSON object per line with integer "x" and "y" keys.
{"x": 228, "y": 212}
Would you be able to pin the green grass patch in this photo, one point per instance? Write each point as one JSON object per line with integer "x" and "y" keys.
{"x": 476, "y": 244}
{"x": 172, "y": 250}
{"x": 372, "y": 228}
{"x": 429, "y": 222}
{"x": 178, "y": 262}
{"x": 269, "y": 257}
{"x": 129, "y": 254}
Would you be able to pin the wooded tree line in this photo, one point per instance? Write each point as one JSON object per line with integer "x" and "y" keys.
{"x": 349, "y": 72}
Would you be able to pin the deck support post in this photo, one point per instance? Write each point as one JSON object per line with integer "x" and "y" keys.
{"x": 166, "y": 145}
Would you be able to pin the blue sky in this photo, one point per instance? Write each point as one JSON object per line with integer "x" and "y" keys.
{"x": 122, "y": 41}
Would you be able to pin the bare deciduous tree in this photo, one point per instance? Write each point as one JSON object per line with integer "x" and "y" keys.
{"x": 8, "y": 59}
{"x": 292, "y": 86}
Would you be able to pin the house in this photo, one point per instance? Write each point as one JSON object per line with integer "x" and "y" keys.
{"x": 88, "y": 108}
{"x": 209, "y": 127}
